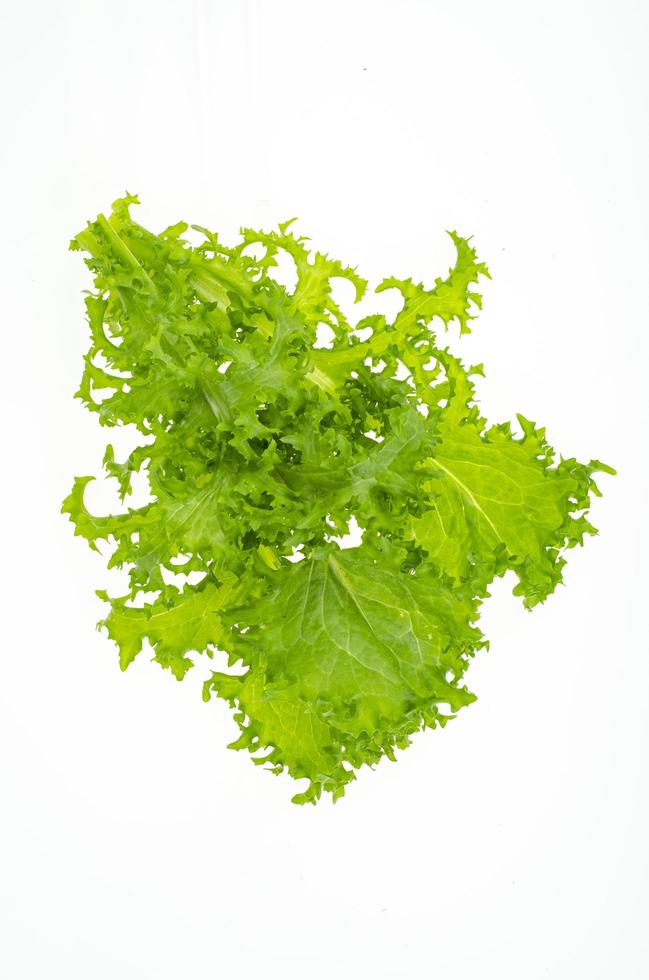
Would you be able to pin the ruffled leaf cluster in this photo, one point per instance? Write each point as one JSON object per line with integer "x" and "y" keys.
{"x": 261, "y": 447}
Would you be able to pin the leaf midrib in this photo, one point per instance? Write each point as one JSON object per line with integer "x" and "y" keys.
{"x": 467, "y": 493}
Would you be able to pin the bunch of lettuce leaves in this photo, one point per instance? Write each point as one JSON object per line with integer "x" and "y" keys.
{"x": 262, "y": 445}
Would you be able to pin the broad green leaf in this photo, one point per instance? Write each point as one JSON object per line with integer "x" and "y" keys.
{"x": 497, "y": 496}
{"x": 372, "y": 653}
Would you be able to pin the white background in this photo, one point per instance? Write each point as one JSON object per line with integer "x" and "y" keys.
{"x": 514, "y": 843}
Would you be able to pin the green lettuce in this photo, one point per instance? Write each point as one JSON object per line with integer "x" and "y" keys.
{"x": 263, "y": 445}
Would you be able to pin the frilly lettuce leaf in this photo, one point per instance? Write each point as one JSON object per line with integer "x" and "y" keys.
{"x": 259, "y": 447}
